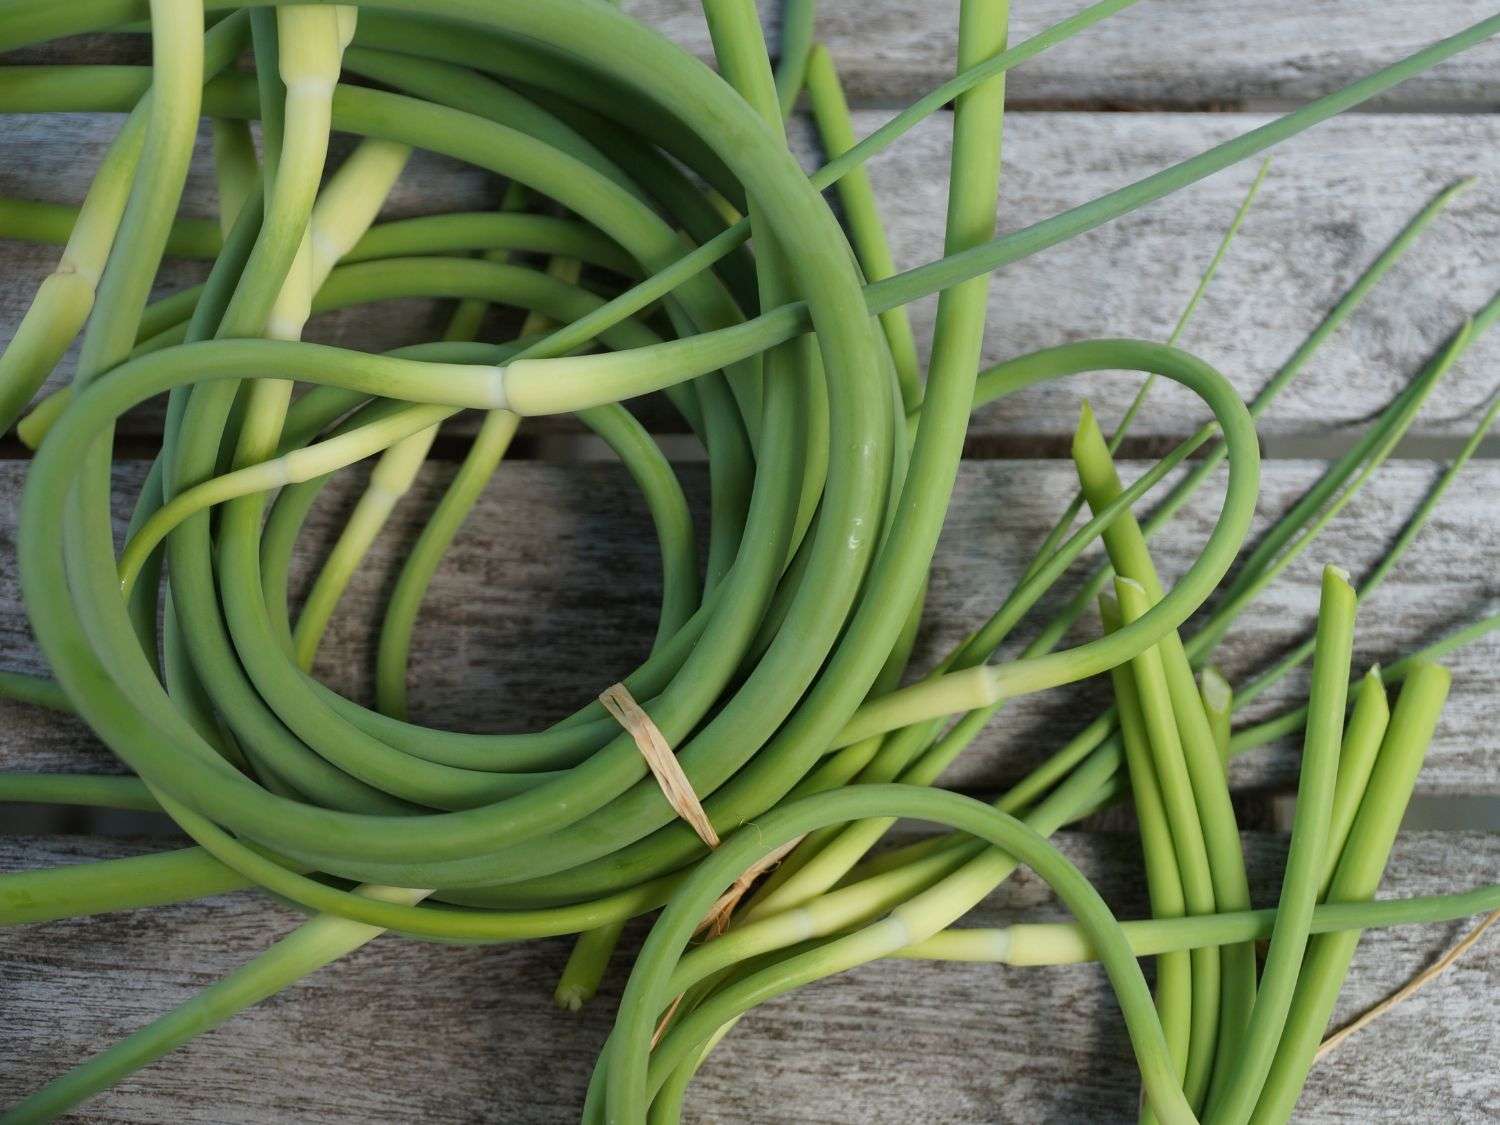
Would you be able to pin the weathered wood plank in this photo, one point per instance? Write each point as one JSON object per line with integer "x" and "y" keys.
{"x": 1333, "y": 200}
{"x": 1323, "y": 214}
{"x": 1182, "y": 55}
{"x": 551, "y": 592}
{"x": 402, "y": 1031}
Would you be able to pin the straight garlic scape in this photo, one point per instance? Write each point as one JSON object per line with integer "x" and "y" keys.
{"x": 685, "y": 252}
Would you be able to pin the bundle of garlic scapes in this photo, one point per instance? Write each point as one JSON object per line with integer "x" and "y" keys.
{"x": 658, "y": 236}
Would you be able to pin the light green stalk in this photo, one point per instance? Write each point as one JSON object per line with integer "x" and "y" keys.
{"x": 1234, "y": 1100}
{"x": 1029, "y": 944}
{"x": 861, "y": 214}
{"x": 1181, "y": 816}
{"x": 1215, "y": 818}
{"x": 1357, "y": 877}
{"x": 1174, "y": 990}
{"x": 1218, "y": 705}
{"x": 1362, "y": 738}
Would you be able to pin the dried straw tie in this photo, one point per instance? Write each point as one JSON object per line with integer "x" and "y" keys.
{"x": 679, "y": 793}
{"x": 664, "y": 765}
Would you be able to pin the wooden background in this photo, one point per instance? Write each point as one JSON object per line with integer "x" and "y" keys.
{"x": 403, "y": 1031}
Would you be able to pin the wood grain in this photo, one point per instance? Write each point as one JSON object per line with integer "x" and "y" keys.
{"x": 1334, "y": 198}
{"x": 1171, "y": 53}
{"x": 550, "y": 593}
{"x": 405, "y": 1031}
{"x": 1332, "y": 201}
{"x": 1168, "y": 53}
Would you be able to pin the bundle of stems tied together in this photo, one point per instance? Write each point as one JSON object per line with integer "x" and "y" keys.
{"x": 659, "y": 235}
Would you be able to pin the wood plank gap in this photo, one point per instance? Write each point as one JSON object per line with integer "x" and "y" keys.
{"x": 681, "y": 448}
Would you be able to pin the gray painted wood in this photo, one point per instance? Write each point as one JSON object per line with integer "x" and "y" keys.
{"x": 405, "y": 1031}
{"x": 1166, "y": 52}
{"x": 550, "y": 594}
{"x": 1333, "y": 200}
